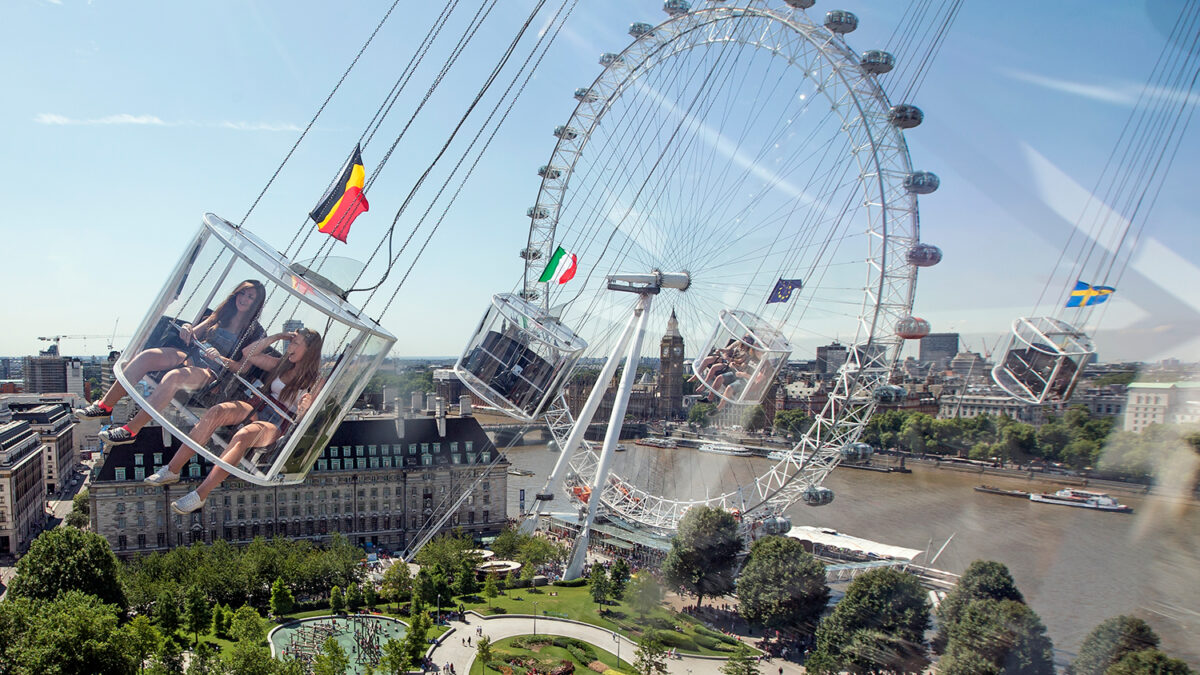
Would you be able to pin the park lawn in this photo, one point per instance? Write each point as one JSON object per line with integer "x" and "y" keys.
{"x": 577, "y": 604}
{"x": 503, "y": 648}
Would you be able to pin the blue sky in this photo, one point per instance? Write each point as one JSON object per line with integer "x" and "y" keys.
{"x": 125, "y": 122}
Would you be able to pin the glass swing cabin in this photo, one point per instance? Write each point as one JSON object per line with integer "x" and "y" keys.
{"x": 217, "y": 260}
{"x": 1043, "y": 360}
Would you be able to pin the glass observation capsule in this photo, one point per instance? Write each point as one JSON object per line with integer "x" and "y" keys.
{"x": 877, "y": 62}
{"x": 240, "y": 295}
{"x": 677, "y": 7}
{"x": 639, "y": 29}
{"x": 840, "y": 21}
{"x": 549, "y": 172}
{"x": 609, "y": 59}
{"x": 566, "y": 133}
{"x": 922, "y": 182}
{"x": 585, "y": 95}
{"x": 924, "y": 255}
{"x": 889, "y": 393}
{"x": 855, "y": 452}
{"x": 817, "y": 496}
{"x": 538, "y": 212}
{"x": 912, "y": 328}
{"x": 800, "y": 4}
{"x": 905, "y": 116}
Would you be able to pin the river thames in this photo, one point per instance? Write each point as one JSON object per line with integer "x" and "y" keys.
{"x": 1076, "y": 567}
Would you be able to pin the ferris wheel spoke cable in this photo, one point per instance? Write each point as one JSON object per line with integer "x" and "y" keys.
{"x": 932, "y": 53}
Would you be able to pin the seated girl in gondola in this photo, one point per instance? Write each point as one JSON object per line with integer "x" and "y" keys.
{"x": 229, "y": 328}
{"x": 290, "y": 386}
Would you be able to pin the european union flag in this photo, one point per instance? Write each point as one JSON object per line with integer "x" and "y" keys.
{"x": 783, "y": 290}
{"x": 1086, "y": 294}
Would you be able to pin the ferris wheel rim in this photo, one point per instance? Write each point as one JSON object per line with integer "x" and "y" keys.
{"x": 786, "y": 471}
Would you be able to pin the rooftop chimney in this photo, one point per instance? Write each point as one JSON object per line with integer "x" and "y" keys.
{"x": 440, "y": 407}
{"x": 464, "y": 405}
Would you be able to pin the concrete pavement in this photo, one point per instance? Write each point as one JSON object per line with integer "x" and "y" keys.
{"x": 452, "y": 650}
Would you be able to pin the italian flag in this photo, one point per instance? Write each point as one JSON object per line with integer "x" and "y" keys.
{"x": 561, "y": 268}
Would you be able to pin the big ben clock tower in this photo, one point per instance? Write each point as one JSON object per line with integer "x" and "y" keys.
{"x": 670, "y": 373}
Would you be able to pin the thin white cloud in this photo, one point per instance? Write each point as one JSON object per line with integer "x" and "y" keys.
{"x": 1123, "y": 93}
{"x": 54, "y": 119}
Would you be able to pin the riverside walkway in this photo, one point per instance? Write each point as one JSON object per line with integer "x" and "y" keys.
{"x": 450, "y": 648}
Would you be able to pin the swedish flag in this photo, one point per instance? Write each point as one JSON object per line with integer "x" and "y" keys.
{"x": 1086, "y": 294}
{"x": 783, "y": 290}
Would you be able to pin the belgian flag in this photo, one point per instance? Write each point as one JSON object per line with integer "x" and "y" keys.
{"x": 344, "y": 201}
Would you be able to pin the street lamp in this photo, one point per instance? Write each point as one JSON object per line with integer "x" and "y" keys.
{"x": 439, "y": 609}
{"x": 535, "y": 604}
{"x": 617, "y": 639}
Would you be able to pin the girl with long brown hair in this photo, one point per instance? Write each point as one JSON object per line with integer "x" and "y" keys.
{"x": 224, "y": 333}
{"x": 289, "y": 385}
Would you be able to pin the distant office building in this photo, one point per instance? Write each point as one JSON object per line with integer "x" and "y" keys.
{"x": 1106, "y": 401}
{"x": 12, "y": 368}
{"x": 831, "y": 357}
{"x": 938, "y": 349}
{"x": 379, "y": 482}
{"x": 55, "y": 427}
{"x": 970, "y": 366}
{"x": 22, "y": 495}
{"x": 1149, "y": 403}
{"x": 53, "y": 374}
{"x": 987, "y": 402}
{"x": 292, "y": 325}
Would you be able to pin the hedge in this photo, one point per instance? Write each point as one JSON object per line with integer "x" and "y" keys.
{"x": 677, "y": 640}
{"x": 571, "y": 583}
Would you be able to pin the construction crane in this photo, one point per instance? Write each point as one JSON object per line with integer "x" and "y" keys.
{"x": 55, "y": 339}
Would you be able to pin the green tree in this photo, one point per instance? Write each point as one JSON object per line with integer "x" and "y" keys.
{"x": 354, "y": 597}
{"x": 143, "y": 639}
{"x": 703, "y": 553}
{"x": 878, "y": 626}
{"x": 650, "y": 657}
{"x": 598, "y": 584}
{"x": 397, "y": 582}
{"x": 166, "y": 613}
{"x": 337, "y": 603}
{"x": 740, "y": 663}
{"x": 1110, "y": 641}
{"x": 1006, "y": 635}
{"x": 700, "y": 413}
{"x": 247, "y": 626}
{"x": 168, "y": 660}
{"x": 81, "y": 503}
{"x": 77, "y": 520}
{"x": 68, "y": 559}
{"x": 645, "y": 593}
{"x": 1149, "y": 662}
{"x": 197, "y": 613}
{"x": 394, "y": 659}
{"x": 332, "y": 660}
{"x": 755, "y": 419}
{"x": 483, "y": 652}
{"x": 72, "y": 634}
{"x": 508, "y": 543}
{"x": 416, "y": 640}
{"x": 247, "y": 658}
{"x": 445, "y": 552}
{"x": 370, "y": 597}
{"x": 282, "y": 601}
{"x": 982, "y": 580}
{"x": 206, "y": 661}
{"x": 618, "y": 579}
{"x": 782, "y": 585}
{"x": 220, "y": 626}
{"x": 490, "y": 589}
{"x": 793, "y": 423}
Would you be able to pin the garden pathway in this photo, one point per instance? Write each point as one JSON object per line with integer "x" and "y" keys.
{"x": 452, "y": 650}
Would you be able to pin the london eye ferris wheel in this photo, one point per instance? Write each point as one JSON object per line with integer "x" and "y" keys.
{"x": 724, "y": 150}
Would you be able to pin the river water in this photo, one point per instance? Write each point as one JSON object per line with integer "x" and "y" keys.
{"x": 1076, "y": 567}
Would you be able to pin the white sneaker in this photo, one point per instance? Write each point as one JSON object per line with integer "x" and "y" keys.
{"x": 164, "y": 476}
{"x": 187, "y": 503}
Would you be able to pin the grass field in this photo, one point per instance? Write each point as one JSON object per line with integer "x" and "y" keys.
{"x": 549, "y": 654}
{"x": 677, "y": 630}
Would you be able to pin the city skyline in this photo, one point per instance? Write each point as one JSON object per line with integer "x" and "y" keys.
{"x": 109, "y": 147}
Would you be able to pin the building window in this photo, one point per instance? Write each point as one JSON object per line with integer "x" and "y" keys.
{"x": 358, "y": 450}
{"x": 469, "y": 446}
{"x": 454, "y": 446}
{"x": 485, "y": 516}
{"x": 426, "y": 460}
{"x": 121, "y": 542}
{"x": 157, "y": 458}
{"x": 412, "y": 448}
{"x": 337, "y": 464}
{"x": 137, "y": 459}
{"x": 372, "y": 450}
{"x": 139, "y": 473}
{"x": 119, "y": 474}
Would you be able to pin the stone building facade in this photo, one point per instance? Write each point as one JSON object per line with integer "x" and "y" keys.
{"x": 380, "y": 483}
{"x": 22, "y": 491}
{"x": 55, "y": 427}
